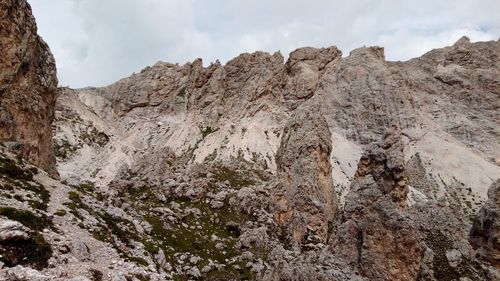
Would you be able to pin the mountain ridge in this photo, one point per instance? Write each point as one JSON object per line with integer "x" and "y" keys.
{"x": 320, "y": 167}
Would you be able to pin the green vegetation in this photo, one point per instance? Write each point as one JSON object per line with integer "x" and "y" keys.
{"x": 235, "y": 179}
{"x": 75, "y": 204}
{"x": 150, "y": 247}
{"x": 102, "y": 232}
{"x": 440, "y": 244}
{"x": 87, "y": 187}
{"x": 207, "y": 131}
{"x": 60, "y": 213}
{"x": 42, "y": 193}
{"x": 27, "y": 218}
{"x": 138, "y": 261}
{"x": 9, "y": 169}
{"x": 34, "y": 251}
{"x": 63, "y": 149}
{"x": 22, "y": 178}
{"x": 96, "y": 275}
{"x": 177, "y": 238}
{"x": 93, "y": 136}
{"x": 121, "y": 232}
{"x": 191, "y": 234}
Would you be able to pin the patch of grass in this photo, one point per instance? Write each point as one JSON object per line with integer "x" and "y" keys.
{"x": 150, "y": 247}
{"x": 175, "y": 238}
{"x": 9, "y": 168}
{"x": 101, "y": 233}
{"x": 22, "y": 178}
{"x": 34, "y": 252}
{"x": 74, "y": 204}
{"x": 243, "y": 273}
{"x": 63, "y": 149}
{"x": 122, "y": 233}
{"x": 37, "y": 205}
{"x": 100, "y": 197}
{"x": 207, "y": 131}
{"x": 96, "y": 275}
{"x": 87, "y": 187}
{"x": 27, "y": 218}
{"x": 440, "y": 244}
{"x": 139, "y": 261}
{"x": 42, "y": 192}
{"x": 234, "y": 178}
{"x": 60, "y": 213}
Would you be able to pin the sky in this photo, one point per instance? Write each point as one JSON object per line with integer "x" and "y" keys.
{"x": 97, "y": 42}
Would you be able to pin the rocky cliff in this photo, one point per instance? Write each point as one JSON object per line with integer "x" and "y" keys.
{"x": 485, "y": 232}
{"x": 28, "y": 86}
{"x": 317, "y": 167}
{"x": 305, "y": 200}
{"x": 295, "y": 145}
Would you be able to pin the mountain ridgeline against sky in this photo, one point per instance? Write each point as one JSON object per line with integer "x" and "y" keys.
{"x": 320, "y": 167}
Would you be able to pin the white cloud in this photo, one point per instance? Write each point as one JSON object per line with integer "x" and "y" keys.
{"x": 97, "y": 42}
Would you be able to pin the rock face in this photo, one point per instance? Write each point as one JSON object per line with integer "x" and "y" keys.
{"x": 485, "y": 232}
{"x": 258, "y": 169}
{"x": 27, "y": 86}
{"x": 12, "y": 231}
{"x": 303, "y": 72}
{"x": 292, "y": 147}
{"x": 374, "y": 236}
{"x": 305, "y": 200}
{"x": 380, "y": 174}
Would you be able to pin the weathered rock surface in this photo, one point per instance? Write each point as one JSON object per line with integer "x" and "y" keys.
{"x": 12, "y": 231}
{"x": 305, "y": 200}
{"x": 485, "y": 232}
{"x": 375, "y": 237}
{"x": 275, "y": 138}
{"x": 303, "y": 72}
{"x": 27, "y": 86}
{"x": 192, "y": 172}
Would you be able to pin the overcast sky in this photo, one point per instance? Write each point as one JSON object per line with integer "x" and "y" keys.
{"x": 96, "y": 42}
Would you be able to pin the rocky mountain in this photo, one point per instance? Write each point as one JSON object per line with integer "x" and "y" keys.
{"x": 28, "y": 86}
{"x": 320, "y": 167}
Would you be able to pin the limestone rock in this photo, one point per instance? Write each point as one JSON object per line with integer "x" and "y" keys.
{"x": 12, "y": 231}
{"x": 375, "y": 236}
{"x": 187, "y": 171}
{"x": 304, "y": 199}
{"x": 27, "y": 85}
{"x": 380, "y": 174}
{"x": 21, "y": 273}
{"x": 303, "y": 72}
{"x": 485, "y": 232}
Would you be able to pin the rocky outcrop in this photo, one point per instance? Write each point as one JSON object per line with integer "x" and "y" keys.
{"x": 485, "y": 232}
{"x": 303, "y": 71}
{"x": 304, "y": 199}
{"x": 27, "y": 86}
{"x": 266, "y": 146}
{"x": 12, "y": 231}
{"x": 380, "y": 175}
{"x": 194, "y": 172}
{"x": 375, "y": 237}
